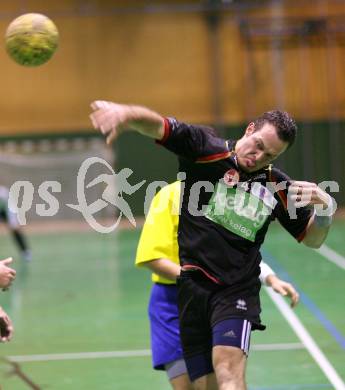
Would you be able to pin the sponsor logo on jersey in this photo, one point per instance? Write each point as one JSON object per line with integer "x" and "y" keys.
{"x": 239, "y": 211}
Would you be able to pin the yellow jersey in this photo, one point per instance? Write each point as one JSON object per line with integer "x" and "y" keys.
{"x": 158, "y": 237}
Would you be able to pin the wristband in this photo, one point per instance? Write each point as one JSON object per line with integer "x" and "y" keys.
{"x": 265, "y": 270}
{"x": 322, "y": 221}
{"x": 323, "y": 217}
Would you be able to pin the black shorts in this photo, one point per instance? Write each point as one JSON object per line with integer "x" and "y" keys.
{"x": 202, "y": 304}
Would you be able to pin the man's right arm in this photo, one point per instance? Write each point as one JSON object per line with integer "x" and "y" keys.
{"x": 112, "y": 119}
{"x": 193, "y": 142}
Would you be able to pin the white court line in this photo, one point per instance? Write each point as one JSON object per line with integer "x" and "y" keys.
{"x": 332, "y": 255}
{"x": 307, "y": 340}
{"x": 132, "y": 353}
{"x": 80, "y": 355}
{"x": 276, "y": 347}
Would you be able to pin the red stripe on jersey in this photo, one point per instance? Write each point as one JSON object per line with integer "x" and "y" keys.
{"x": 302, "y": 235}
{"x": 167, "y": 132}
{"x": 280, "y": 193}
{"x": 283, "y": 198}
{"x": 190, "y": 267}
{"x": 213, "y": 157}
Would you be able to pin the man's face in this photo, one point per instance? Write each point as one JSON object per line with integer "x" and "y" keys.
{"x": 257, "y": 149}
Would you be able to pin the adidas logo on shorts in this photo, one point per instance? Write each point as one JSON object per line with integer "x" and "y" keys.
{"x": 230, "y": 333}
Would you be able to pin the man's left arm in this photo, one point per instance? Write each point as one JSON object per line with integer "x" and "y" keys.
{"x": 304, "y": 193}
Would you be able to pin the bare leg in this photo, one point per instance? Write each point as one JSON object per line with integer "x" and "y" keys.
{"x": 229, "y": 365}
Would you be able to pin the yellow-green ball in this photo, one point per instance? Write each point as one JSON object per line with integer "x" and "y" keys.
{"x": 31, "y": 39}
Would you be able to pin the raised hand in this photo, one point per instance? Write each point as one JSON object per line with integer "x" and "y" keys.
{"x": 109, "y": 118}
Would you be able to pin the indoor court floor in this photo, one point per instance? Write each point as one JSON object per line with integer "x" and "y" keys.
{"x": 80, "y": 315}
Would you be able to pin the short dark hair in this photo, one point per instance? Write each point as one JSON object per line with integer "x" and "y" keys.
{"x": 282, "y": 121}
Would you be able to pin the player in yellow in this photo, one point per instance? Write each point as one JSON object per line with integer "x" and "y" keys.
{"x": 158, "y": 251}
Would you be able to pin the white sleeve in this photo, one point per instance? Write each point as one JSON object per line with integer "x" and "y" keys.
{"x": 265, "y": 270}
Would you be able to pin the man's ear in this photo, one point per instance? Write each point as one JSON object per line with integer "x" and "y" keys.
{"x": 250, "y": 129}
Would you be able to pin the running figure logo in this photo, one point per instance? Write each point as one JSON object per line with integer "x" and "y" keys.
{"x": 111, "y": 195}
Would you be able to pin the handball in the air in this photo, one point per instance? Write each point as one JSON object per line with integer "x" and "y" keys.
{"x": 31, "y": 39}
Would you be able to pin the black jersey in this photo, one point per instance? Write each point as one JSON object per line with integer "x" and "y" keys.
{"x": 225, "y": 212}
